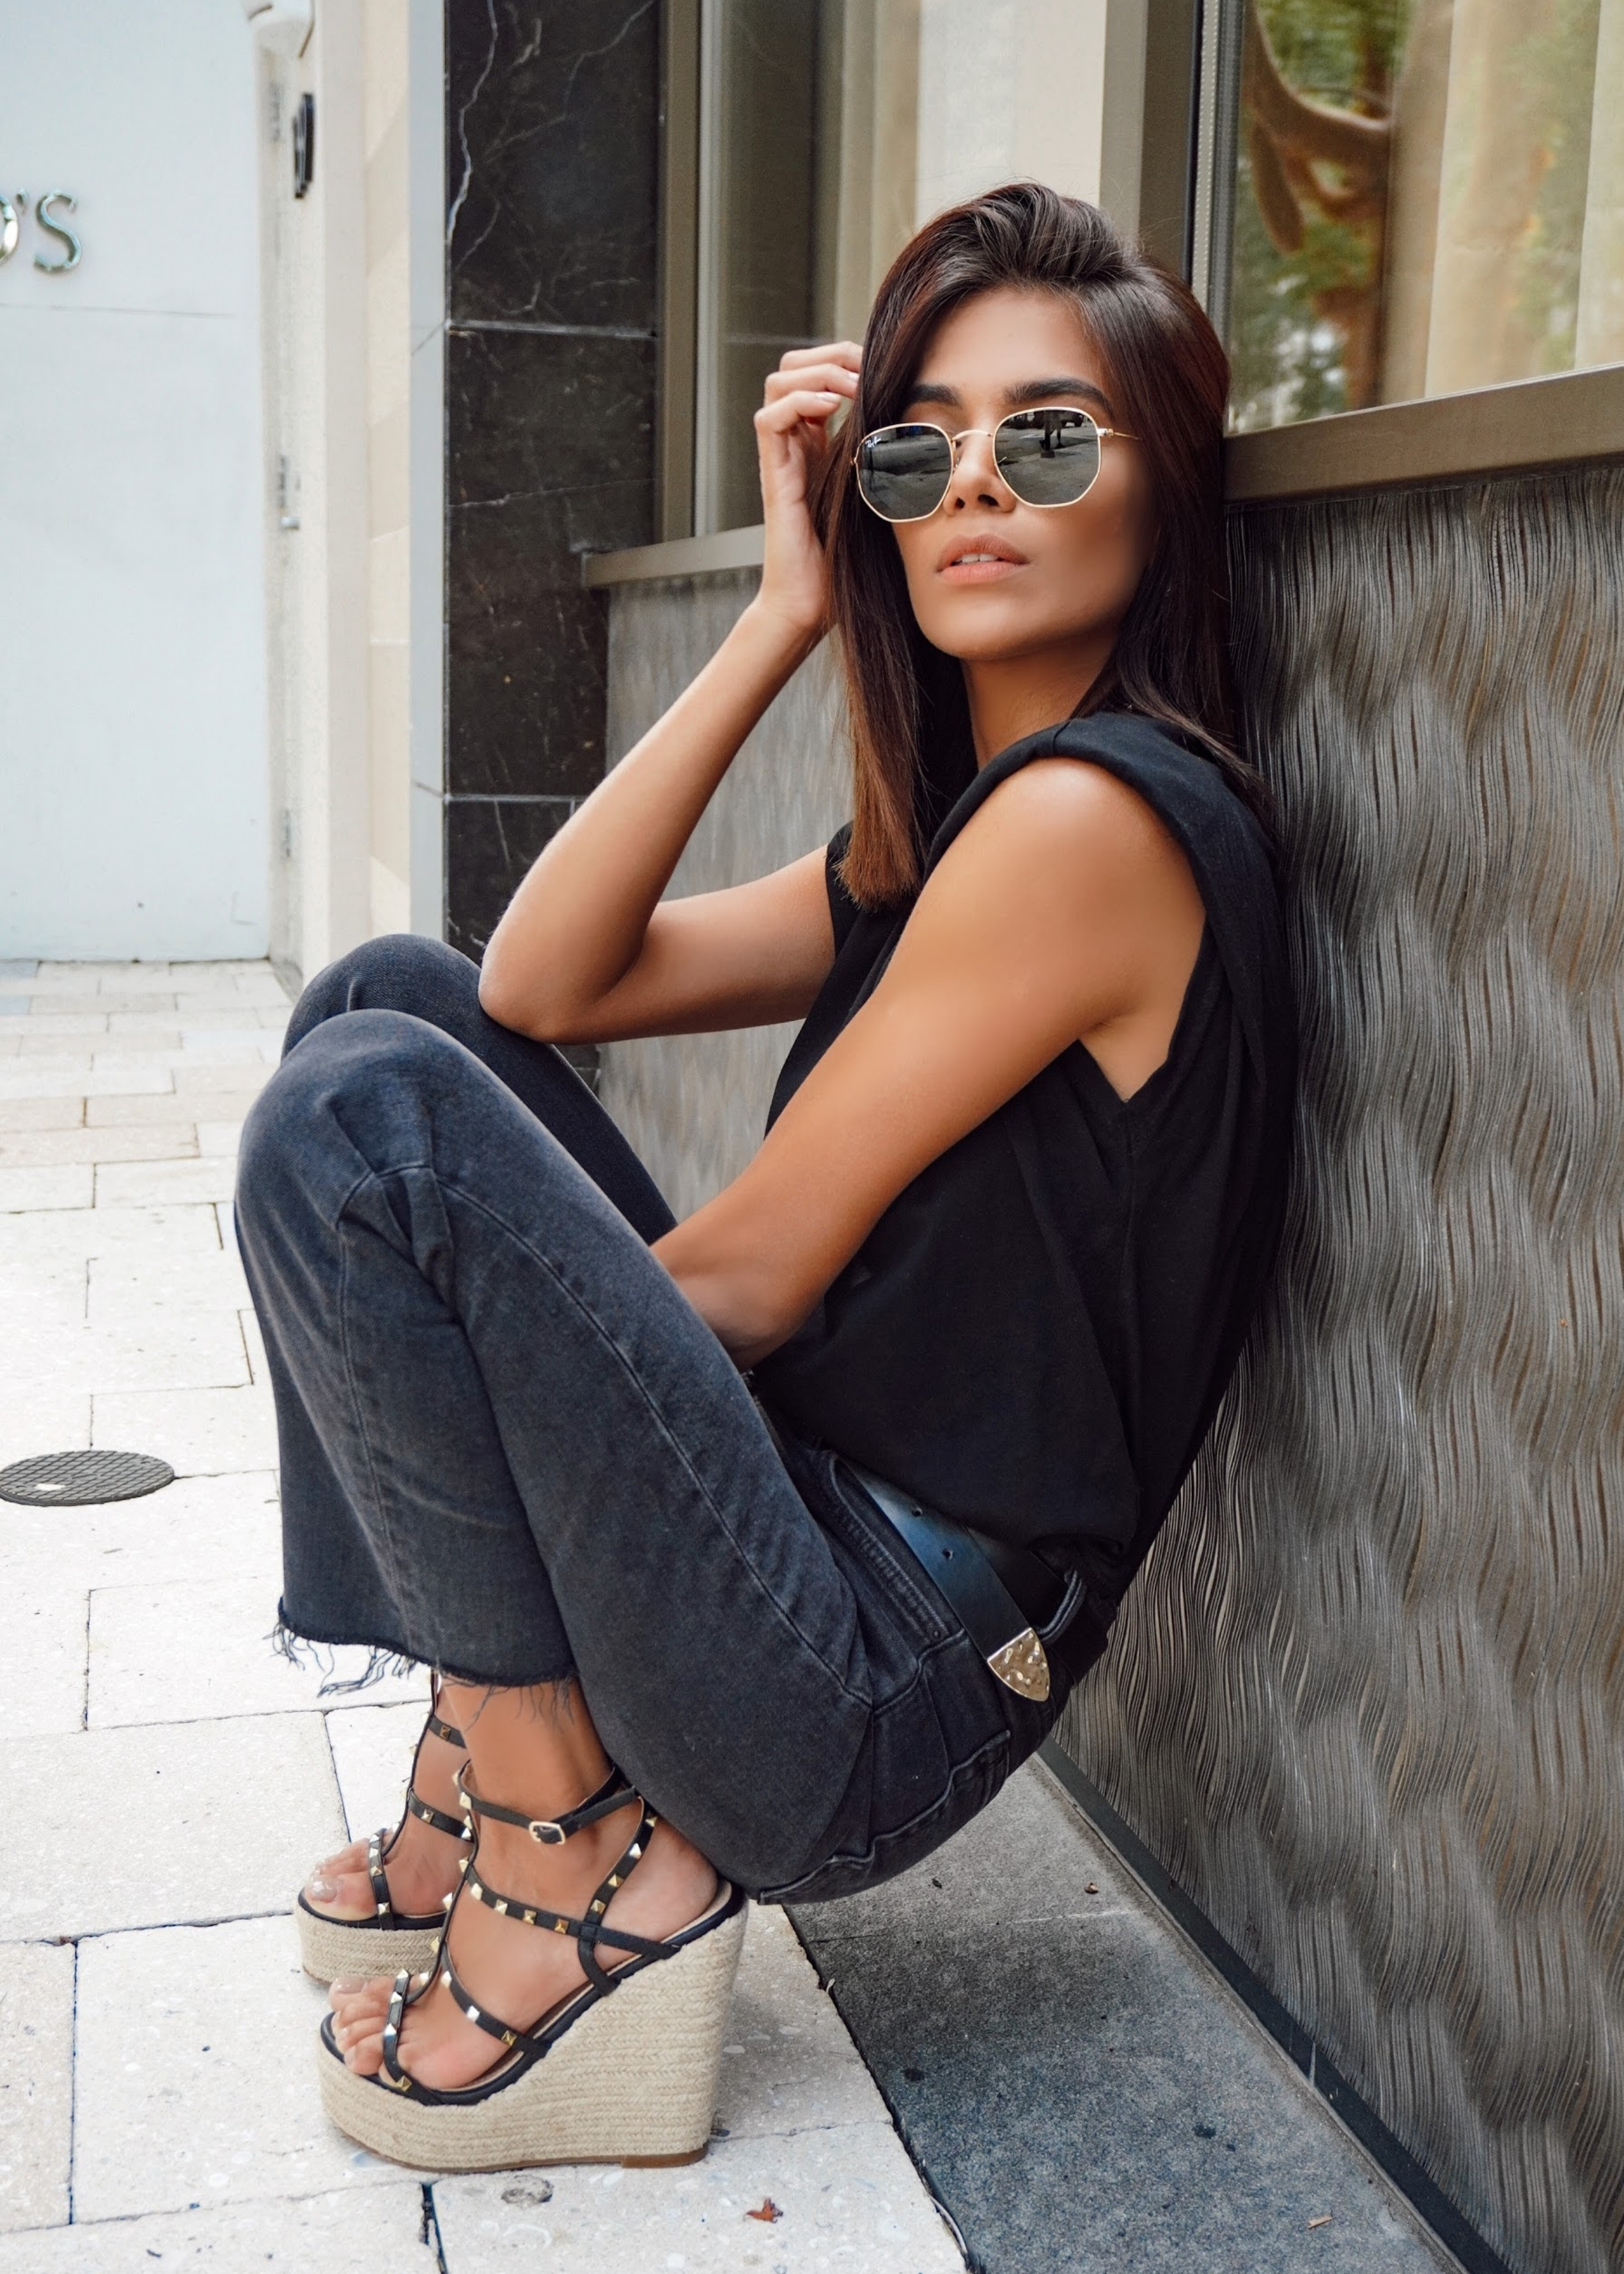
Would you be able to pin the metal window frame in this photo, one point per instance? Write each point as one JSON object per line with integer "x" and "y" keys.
{"x": 677, "y": 378}
{"x": 1522, "y": 426}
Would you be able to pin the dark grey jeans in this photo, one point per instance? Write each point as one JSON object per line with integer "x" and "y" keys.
{"x": 512, "y": 1451}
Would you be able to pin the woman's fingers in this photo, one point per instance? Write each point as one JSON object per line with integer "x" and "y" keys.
{"x": 843, "y": 352}
{"x": 816, "y": 405}
{"x": 826, "y": 377}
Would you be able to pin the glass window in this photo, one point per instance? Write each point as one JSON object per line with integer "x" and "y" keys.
{"x": 827, "y": 130}
{"x": 1427, "y": 196}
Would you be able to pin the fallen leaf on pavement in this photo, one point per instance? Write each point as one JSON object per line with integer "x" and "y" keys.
{"x": 767, "y": 2212}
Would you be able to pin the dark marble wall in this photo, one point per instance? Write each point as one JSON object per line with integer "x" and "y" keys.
{"x": 553, "y": 169}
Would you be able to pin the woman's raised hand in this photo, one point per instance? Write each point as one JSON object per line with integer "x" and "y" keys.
{"x": 791, "y": 438}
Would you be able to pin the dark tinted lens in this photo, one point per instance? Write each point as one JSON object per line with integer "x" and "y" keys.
{"x": 1047, "y": 457}
{"x": 904, "y": 471}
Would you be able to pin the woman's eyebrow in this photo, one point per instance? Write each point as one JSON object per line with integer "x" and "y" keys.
{"x": 1044, "y": 391}
{"x": 1025, "y": 391}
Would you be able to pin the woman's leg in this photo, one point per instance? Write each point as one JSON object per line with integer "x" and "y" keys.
{"x": 514, "y": 1452}
{"x": 537, "y": 1750}
{"x": 428, "y": 980}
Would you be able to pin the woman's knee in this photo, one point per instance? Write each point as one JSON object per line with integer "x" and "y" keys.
{"x": 349, "y": 1084}
{"x": 401, "y": 971}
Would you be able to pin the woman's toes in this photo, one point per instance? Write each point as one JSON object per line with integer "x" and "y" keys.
{"x": 342, "y": 1894}
{"x": 368, "y": 2004}
{"x": 364, "y": 2054}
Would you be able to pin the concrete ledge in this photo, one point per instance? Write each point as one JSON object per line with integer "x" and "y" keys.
{"x": 1495, "y": 430}
{"x": 1530, "y": 423}
{"x": 680, "y": 556}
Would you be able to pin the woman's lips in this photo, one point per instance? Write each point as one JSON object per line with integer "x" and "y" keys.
{"x": 985, "y": 561}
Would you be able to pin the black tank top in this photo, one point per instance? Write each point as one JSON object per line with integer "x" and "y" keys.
{"x": 1035, "y": 1335}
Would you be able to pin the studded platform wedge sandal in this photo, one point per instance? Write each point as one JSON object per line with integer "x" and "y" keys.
{"x": 622, "y": 2071}
{"x": 335, "y": 1949}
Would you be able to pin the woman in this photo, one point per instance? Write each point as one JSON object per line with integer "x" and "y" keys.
{"x": 693, "y": 1632}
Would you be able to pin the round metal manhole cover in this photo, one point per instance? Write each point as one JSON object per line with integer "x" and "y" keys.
{"x": 76, "y": 1480}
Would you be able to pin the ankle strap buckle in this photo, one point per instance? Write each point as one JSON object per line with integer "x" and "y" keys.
{"x": 550, "y": 1833}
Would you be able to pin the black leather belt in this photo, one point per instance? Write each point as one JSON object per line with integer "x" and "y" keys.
{"x": 1008, "y": 1600}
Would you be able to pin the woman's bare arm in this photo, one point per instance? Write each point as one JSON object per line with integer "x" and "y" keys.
{"x": 1063, "y": 913}
{"x": 586, "y": 951}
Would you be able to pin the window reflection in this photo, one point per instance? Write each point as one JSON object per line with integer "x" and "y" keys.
{"x": 1430, "y": 197}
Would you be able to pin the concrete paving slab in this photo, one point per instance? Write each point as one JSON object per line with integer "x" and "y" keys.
{"x": 788, "y": 2064}
{"x": 848, "y": 2202}
{"x": 195, "y": 2074}
{"x": 228, "y": 1046}
{"x": 74, "y": 998}
{"x": 32, "y": 1148}
{"x": 62, "y": 1052}
{"x": 216, "y": 1082}
{"x": 159, "y": 1233}
{"x": 41, "y": 1112}
{"x": 253, "y": 1344}
{"x": 151, "y": 1183}
{"x": 127, "y": 979}
{"x": 213, "y": 1820}
{"x": 204, "y": 1651}
{"x": 40, "y": 1290}
{"x": 39, "y": 1422}
{"x": 123, "y": 1021}
{"x": 380, "y": 2228}
{"x": 1083, "y": 2091}
{"x": 218, "y": 1139}
{"x": 206, "y": 1280}
{"x": 162, "y": 1042}
{"x": 59, "y": 1021}
{"x": 45, "y": 1655}
{"x": 372, "y": 1750}
{"x": 152, "y": 1112}
{"x": 197, "y": 1432}
{"x": 174, "y": 1349}
{"x": 68, "y": 1185}
{"x": 21, "y": 1078}
{"x": 197, "y": 1528}
{"x": 36, "y": 2086}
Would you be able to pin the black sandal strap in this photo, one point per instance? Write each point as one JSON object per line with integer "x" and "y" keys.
{"x": 406, "y": 1989}
{"x": 436, "y": 1727}
{"x": 589, "y": 1933}
{"x": 551, "y": 1831}
{"x": 375, "y": 1872}
{"x": 591, "y": 1930}
{"x": 472, "y": 2011}
{"x": 456, "y": 1827}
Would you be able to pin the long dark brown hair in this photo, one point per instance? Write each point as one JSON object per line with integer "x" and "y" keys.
{"x": 910, "y": 722}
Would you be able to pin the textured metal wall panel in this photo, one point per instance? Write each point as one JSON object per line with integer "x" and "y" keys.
{"x": 695, "y": 1105}
{"x": 1367, "y": 1701}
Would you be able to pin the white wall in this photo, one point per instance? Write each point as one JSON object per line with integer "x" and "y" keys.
{"x": 133, "y": 758}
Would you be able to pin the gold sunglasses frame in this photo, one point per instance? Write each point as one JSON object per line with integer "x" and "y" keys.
{"x": 1103, "y": 434}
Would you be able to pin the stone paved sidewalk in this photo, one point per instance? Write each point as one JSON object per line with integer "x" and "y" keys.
{"x": 168, "y": 1779}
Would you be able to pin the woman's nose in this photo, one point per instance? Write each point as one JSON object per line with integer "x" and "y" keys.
{"x": 976, "y": 479}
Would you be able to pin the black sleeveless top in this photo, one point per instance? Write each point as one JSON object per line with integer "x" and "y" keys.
{"x": 1035, "y": 1335}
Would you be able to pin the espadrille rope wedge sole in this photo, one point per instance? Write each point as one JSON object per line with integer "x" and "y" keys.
{"x": 333, "y": 1950}
{"x": 623, "y": 2072}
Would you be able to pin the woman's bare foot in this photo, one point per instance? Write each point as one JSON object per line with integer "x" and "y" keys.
{"x": 422, "y": 1864}
{"x": 513, "y": 1969}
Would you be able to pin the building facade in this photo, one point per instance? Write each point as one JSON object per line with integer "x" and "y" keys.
{"x": 521, "y": 272}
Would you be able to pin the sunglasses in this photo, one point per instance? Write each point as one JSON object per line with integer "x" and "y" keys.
{"x": 1047, "y": 457}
